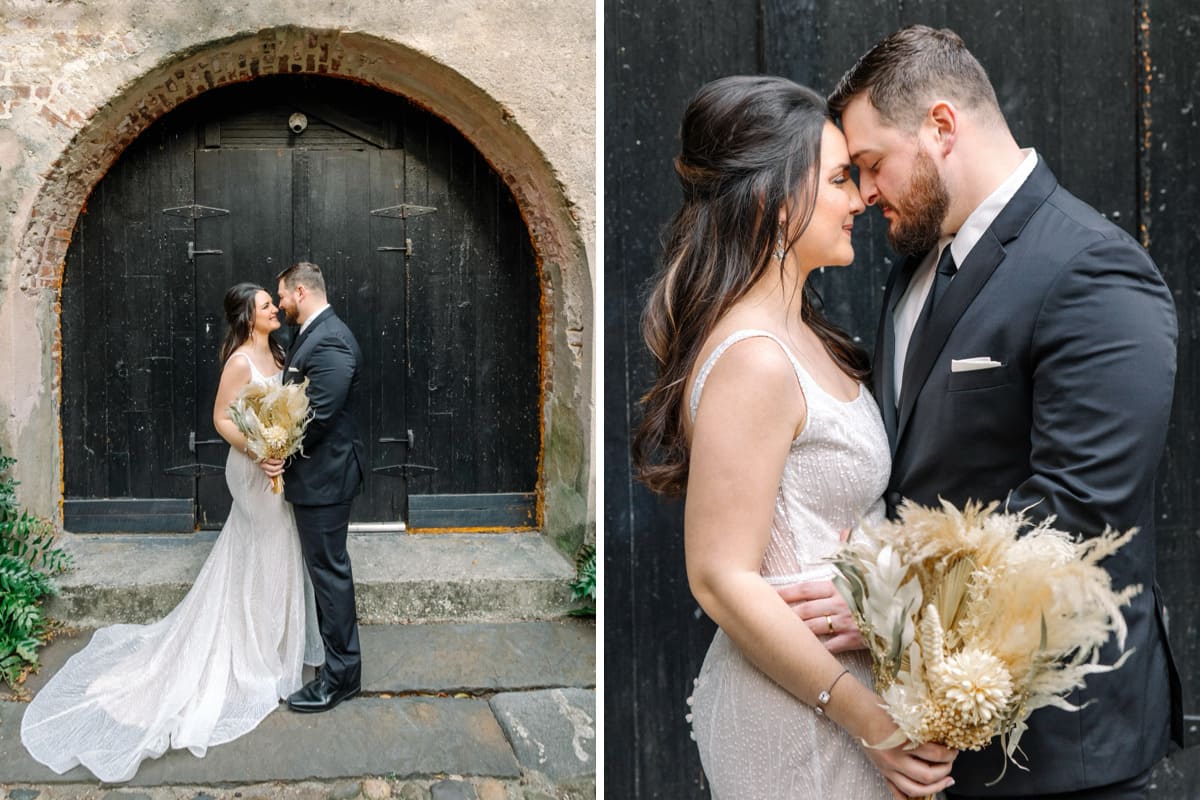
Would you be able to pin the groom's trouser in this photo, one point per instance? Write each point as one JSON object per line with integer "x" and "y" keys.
{"x": 1132, "y": 789}
{"x": 323, "y": 540}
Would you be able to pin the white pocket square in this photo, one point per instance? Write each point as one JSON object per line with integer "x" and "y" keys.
{"x": 293, "y": 369}
{"x": 972, "y": 364}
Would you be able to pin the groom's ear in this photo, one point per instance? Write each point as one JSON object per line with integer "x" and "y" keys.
{"x": 942, "y": 122}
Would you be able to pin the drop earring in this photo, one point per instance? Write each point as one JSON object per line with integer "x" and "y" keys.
{"x": 780, "y": 248}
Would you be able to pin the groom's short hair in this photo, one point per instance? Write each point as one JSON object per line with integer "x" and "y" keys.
{"x": 904, "y": 73}
{"x": 303, "y": 272}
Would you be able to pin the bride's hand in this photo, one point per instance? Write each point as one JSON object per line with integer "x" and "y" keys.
{"x": 273, "y": 467}
{"x": 825, "y": 613}
{"x": 921, "y": 772}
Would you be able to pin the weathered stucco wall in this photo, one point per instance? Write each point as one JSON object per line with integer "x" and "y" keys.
{"x": 80, "y": 79}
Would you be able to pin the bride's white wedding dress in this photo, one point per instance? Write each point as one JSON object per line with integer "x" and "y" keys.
{"x": 209, "y": 671}
{"x": 757, "y": 741}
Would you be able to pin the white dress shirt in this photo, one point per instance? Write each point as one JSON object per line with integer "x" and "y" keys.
{"x": 904, "y": 317}
{"x": 311, "y": 317}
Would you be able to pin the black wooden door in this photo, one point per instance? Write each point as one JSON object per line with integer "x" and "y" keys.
{"x": 1103, "y": 90}
{"x": 426, "y": 259}
{"x": 129, "y": 323}
{"x": 285, "y": 205}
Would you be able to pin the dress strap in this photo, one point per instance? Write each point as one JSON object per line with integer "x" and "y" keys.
{"x": 748, "y": 333}
{"x": 254, "y": 373}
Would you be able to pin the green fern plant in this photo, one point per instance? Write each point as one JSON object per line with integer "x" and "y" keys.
{"x": 583, "y": 588}
{"x": 29, "y": 556}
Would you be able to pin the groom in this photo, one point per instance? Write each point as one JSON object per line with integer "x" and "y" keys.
{"x": 321, "y": 484}
{"x": 1025, "y": 354}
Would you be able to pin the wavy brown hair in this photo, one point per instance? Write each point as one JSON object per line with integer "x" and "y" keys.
{"x": 750, "y": 145}
{"x": 239, "y": 315}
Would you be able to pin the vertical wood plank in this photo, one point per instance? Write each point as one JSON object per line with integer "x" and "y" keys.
{"x": 425, "y": 276}
{"x": 1169, "y": 85}
{"x": 389, "y": 393}
{"x": 117, "y": 322}
{"x": 179, "y": 415}
{"x": 512, "y": 345}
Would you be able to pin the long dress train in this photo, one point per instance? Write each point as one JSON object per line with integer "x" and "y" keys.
{"x": 209, "y": 671}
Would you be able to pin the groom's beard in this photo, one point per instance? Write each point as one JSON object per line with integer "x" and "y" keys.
{"x": 917, "y": 225}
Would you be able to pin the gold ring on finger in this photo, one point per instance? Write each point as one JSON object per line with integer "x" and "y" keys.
{"x": 829, "y": 622}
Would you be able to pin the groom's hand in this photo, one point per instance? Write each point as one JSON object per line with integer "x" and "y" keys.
{"x": 273, "y": 467}
{"x": 821, "y": 608}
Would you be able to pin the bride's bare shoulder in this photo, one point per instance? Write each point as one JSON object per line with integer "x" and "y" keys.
{"x": 236, "y": 366}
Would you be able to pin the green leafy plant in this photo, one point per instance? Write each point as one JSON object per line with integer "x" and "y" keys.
{"x": 29, "y": 556}
{"x": 583, "y": 588}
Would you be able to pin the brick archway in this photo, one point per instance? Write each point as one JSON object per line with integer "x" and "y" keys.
{"x": 395, "y": 68}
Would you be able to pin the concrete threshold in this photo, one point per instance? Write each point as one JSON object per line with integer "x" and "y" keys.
{"x": 400, "y": 578}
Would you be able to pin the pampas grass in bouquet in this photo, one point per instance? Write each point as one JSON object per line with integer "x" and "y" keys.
{"x": 273, "y": 420}
{"x": 975, "y": 619}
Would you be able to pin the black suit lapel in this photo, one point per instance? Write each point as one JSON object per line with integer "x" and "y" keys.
{"x": 973, "y": 274}
{"x": 300, "y": 339}
{"x": 883, "y": 377}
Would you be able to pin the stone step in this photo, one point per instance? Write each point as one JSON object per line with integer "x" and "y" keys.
{"x": 535, "y": 716}
{"x": 399, "y": 577}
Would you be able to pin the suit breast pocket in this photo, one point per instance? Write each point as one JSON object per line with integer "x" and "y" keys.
{"x": 973, "y": 380}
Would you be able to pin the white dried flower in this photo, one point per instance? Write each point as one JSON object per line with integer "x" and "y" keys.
{"x": 907, "y": 706}
{"x": 976, "y": 685}
{"x": 275, "y": 437}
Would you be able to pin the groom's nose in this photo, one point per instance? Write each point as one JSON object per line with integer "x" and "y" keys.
{"x": 867, "y": 187}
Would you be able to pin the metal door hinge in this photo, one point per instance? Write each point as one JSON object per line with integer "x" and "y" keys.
{"x": 195, "y": 470}
{"x": 195, "y": 211}
{"x": 404, "y": 470}
{"x": 403, "y": 211}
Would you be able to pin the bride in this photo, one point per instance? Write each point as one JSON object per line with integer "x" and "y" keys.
{"x": 219, "y": 663}
{"x": 759, "y": 417}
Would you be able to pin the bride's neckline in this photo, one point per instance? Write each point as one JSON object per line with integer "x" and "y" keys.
{"x": 790, "y": 352}
{"x": 254, "y": 367}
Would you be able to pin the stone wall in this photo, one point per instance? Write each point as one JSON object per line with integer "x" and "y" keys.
{"x": 81, "y": 79}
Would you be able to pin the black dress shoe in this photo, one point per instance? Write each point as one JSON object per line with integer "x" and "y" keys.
{"x": 317, "y": 695}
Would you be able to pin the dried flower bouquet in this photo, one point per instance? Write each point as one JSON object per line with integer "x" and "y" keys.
{"x": 974, "y": 619}
{"x": 273, "y": 420}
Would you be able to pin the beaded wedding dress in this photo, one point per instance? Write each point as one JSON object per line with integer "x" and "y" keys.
{"x": 757, "y": 741}
{"x": 209, "y": 671}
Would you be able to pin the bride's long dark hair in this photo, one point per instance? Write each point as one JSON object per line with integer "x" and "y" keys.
{"x": 750, "y": 144}
{"x": 239, "y": 314}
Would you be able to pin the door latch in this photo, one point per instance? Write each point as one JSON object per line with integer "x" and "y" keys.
{"x": 407, "y": 249}
{"x": 193, "y": 252}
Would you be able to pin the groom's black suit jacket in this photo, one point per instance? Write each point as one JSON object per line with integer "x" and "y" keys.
{"x": 331, "y": 469}
{"x": 1072, "y": 424}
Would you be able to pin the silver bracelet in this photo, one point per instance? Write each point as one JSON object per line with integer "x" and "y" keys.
{"x": 823, "y": 697}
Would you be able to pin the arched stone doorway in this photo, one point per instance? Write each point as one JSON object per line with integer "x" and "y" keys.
{"x": 427, "y": 259}
{"x": 556, "y": 229}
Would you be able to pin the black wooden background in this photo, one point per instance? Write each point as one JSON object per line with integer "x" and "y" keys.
{"x": 1107, "y": 93}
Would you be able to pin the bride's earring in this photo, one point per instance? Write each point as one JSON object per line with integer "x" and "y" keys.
{"x": 780, "y": 245}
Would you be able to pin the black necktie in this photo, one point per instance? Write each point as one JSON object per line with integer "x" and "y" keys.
{"x": 291, "y": 349}
{"x": 941, "y": 279}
